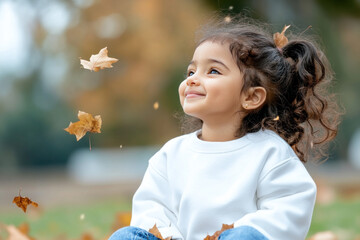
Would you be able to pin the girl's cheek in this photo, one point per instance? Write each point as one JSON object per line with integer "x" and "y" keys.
{"x": 182, "y": 88}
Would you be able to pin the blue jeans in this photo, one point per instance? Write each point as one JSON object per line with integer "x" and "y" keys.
{"x": 134, "y": 233}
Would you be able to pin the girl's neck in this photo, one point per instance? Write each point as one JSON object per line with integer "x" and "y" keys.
{"x": 218, "y": 133}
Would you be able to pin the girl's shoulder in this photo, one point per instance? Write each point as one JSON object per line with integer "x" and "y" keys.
{"x": 270, "y": 142}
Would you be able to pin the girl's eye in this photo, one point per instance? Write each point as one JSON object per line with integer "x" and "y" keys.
{"x": 213, "y": 71}
{"x": 190, "y": 73}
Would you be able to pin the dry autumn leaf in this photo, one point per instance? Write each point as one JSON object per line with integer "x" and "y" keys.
{"x": 23, "y": 202}
{"x": 155, "y": 231}
{"x": 217, "y": 233}
{"x": 279, "y": 38}
{"x": 86, "y": 123}
{"x": 99, "y": 61}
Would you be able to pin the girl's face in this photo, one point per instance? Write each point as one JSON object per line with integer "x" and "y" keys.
{"x": 212, "y": 88}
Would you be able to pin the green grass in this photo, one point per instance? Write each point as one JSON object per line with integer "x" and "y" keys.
{"x": 64, "y": 222}
{"x": 341, "y": 217}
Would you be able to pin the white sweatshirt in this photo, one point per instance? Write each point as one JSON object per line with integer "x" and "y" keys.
{"x": 192, "y": 187}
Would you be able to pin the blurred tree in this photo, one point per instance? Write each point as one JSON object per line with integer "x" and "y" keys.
{"x": 154, "y": 42}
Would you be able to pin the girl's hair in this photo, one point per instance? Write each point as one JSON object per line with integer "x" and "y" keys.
{"x": 296, "y": 77}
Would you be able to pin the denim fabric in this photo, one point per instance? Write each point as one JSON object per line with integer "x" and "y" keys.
{"x": 134, "y": 233}
{"x": 242, "y": 232}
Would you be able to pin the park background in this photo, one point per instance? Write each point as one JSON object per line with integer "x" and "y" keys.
{"x": 43, "y": 86}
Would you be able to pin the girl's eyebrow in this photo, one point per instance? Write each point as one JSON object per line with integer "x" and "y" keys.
{"x": 211, "y": 60}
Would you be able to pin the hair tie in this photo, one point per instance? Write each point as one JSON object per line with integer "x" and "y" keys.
{"x": 279, "y": 38}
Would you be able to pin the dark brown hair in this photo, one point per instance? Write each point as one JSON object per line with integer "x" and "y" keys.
{"x": 297, "y": 78}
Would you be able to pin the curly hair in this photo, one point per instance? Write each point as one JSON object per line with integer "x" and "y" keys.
{"x": 297, "y": 78}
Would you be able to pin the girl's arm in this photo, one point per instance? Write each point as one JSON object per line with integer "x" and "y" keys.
{"x": 151, "y": 202}
{"x": 286, "y": 198}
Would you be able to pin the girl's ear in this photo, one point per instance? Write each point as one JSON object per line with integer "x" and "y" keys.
{"x": 253, "y": 98}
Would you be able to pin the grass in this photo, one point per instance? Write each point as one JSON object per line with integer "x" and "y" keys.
{"x": 342, "y": 217}
{"x": 64, "y": 222}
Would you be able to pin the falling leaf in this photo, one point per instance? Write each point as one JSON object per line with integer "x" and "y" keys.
{"x": 217, "y": 233}
{"x": 227, "y": 19}
{"x": 99, "y": 61}
{"x": 156, "y": 105}
{"x": 155, "y": 231}
{"x": 86, "y": 123}
{"x": 277, "y": 118}
{"x": 279, "y": 38}
{"x": 23, "y": 202}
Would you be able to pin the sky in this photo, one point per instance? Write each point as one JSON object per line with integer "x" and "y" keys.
{"x": 13, "y": 43}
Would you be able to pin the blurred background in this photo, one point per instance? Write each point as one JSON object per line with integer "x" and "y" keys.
{"x": 43, "y": 86}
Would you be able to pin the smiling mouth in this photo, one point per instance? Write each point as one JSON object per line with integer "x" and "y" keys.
{"x": 194, "y": 95}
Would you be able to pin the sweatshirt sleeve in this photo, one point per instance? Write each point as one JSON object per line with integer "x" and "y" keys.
{"x": 286, "y": 198}
{"x": 151, "y": 202}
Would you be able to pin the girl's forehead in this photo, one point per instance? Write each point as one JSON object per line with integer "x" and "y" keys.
{"x": 213, "y": 49}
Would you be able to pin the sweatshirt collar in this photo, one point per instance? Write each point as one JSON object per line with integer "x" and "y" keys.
{"x": 199, "y": 145}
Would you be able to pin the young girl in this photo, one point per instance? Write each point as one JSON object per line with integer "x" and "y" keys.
{"x": 262, "y": 108}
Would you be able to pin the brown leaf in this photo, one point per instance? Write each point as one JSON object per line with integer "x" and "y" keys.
{"x": 217, "y": 233}
{"x": 99, "y": 61}
{"x": 23, "y": 202}
{"x": 155, "y": 231}
{"x": 86, "y": 123}
{"x": 86, "y": 236}
{"x": 279, "y": 38}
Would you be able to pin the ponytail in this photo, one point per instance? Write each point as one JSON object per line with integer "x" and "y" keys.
{"x": 316, "y": 121}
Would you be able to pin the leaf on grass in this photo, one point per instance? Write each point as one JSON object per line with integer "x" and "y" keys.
{"x": 155, "y": 231}
{"x": 328, "y": 235}
{"x": 122, "y": 219}
{"x": 279, "y": 38}
{"x": 15, "y": 233}
{"x": 217, "y": 233}
{"x": 99, "y": 61}
{"x": 86, "y": 236}
{"x": 86, "y": 123}
{"x": 23, "y": 202}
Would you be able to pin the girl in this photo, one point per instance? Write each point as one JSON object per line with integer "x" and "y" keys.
{"x": 261, "y": 107}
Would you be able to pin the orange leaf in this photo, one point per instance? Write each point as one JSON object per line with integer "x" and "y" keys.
{"x": 122, "y": 219}
{"x": 86, "y": 123}
{"x": 155, "y": 231}
{"x": 86, "y": 236}
{"x": 99, "y": 61}
{"x": 217, "y": 233}
{"x": 23, "y": 202}
{"x": 279, "y": 38}
{"x": 15, "y": 234}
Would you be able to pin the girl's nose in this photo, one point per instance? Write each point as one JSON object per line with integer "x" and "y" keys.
{"x": 191, "y": 81}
